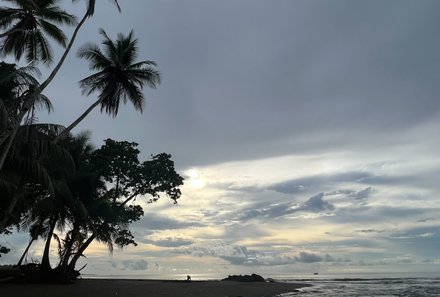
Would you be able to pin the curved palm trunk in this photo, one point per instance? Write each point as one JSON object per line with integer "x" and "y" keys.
{"x": 25, "y": 252}
{"x": 64, "y": 261}
{"x": 80, "y": 251}
{"x": 45, "y": 262}
{"x": 66, "y": 52}
{"x": 78, "y": 120}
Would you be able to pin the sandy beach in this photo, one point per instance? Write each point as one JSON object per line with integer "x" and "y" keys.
{"x": 137, "y": 288}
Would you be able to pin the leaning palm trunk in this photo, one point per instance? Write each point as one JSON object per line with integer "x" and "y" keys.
{"x": 78, "y": 120}
{"x": 79, "y": 253}
{"x": 25, "y": 252}
{"x": 67, "y": 253}
{"x": 45, "y": 262}
{"x": 63, "y": 57}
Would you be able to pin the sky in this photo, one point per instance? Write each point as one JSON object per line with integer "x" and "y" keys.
{"x": 307, "y": 132}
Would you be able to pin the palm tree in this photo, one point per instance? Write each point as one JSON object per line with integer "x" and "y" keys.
{"x": 88, "y": 14}
{"x": 119, "y": 77}
{"x": 28, "y": 27}
{"x": 52, "y": 210}
{"x": 25, "y": 167}
{"x": 22, "y": 164}
{"x": 29, "y": 100}
{"x": 34, "y": 232}
{"x": 15, "y": 84}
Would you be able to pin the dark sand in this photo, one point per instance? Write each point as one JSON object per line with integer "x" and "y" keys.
{"x": 148, "y": 288}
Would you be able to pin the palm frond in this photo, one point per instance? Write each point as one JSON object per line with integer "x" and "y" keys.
{"x": 110, "y": 48}
{"x": 3, "y": 117}
{"x": 24, "y": 27}
{"x": 148, "y": 75}
{"x": 134, "y": 94}
{"x": 57, "y": 15}
{"x": 8, "y": 16}
{"x": 42, "y": 48}
{"x": 42, "y": 102}
{"x": 93, "y": 82}
{"x": 53, "y": 31}
{"x": 92, "y": 53}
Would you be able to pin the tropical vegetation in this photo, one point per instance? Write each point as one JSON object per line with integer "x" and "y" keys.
{"x": 54, "y": 184}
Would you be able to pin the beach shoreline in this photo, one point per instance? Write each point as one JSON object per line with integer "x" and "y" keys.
{"x": 163, "y": 288}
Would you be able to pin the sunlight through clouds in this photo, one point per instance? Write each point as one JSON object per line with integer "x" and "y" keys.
{"x": 194, "y": 178}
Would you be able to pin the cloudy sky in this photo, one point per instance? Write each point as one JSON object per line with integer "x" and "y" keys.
{"x": 307, "y": 132}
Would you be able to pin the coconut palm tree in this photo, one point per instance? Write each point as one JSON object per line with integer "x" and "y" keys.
{"x": 28, "y": 27}
{"x": 15, "y": 84}
{"x": 26, "y": 167}
{"x": 119, "y": 78}
{"x": 31, "y": 97}
{"x": 34, "y": 232}
{"x": 23, "y": 161}
{"x": 88, "y": 14}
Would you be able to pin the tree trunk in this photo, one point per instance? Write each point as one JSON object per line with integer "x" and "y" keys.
{"x": 78, "y": 120}
{"x": 116, "y": 191}
{"x": 64, "y": 261}
{"x": 25, "y": 252}
{"x": 45, "y": 262}
{"x": 80, "y": 251}
{"x": 63, "y": 57}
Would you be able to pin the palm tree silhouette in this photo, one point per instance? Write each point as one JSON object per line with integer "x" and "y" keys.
{"x": 88, "y": 14}
{"x": 28, "y": 27}
{"x": 7, "y": 18}
{"x": 119, "y": 78}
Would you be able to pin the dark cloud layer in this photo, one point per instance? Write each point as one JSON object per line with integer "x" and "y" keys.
{"x": 274, "y": 79}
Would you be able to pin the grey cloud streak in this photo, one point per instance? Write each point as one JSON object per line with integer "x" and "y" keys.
{"x": 130, "y": 265}
{"x": 241, "y": 255}
{"x": 315, "y": 204}
{"x": 170, "y": 242}
{"x": 151, "y": 221}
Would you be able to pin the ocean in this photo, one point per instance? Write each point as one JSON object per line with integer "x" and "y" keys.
{"x": 339, "y": 285}
{"x": 386, "y": 287}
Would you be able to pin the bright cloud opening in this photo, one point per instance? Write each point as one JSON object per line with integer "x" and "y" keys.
{"x": 194, "y": 179}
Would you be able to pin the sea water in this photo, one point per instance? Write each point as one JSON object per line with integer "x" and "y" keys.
{"x": 386, "y": 287}
{"x": 335, "y": 285}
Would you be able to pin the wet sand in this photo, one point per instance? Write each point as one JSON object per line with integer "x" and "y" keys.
{"x": 150, "y": 288}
